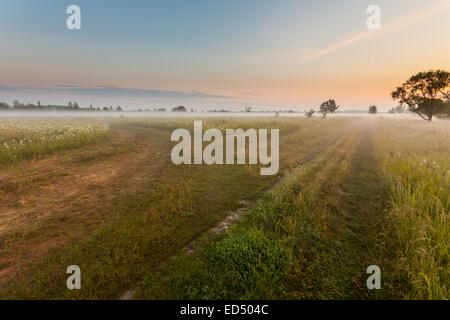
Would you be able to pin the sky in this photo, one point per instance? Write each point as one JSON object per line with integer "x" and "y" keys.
{"x": 204, "y": 54}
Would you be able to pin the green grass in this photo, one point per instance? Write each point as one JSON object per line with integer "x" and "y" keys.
{"x": 352, "y": 194}
{"x": 296, "y": 243}
{"x": 143, "y": 229}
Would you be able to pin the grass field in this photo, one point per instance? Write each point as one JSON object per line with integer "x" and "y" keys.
{"x": 351, "y": 192}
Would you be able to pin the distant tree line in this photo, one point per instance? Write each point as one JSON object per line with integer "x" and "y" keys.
{"x": 73, "y": 106}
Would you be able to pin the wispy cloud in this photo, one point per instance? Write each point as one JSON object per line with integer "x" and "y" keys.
{"x": 387, "y": 27}
{"x": 338, "y": 46}
{"x": 117, "y": 92}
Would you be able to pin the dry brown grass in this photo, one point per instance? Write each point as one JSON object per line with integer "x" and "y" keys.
{"x": 49, "y": 202}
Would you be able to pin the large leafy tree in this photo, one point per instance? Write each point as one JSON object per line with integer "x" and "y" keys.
{"x": 426, "y": 93}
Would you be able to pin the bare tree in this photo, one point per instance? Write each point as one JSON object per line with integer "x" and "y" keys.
{"x": 309, "y": 113}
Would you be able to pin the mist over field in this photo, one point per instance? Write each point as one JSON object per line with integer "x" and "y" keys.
{"x": 193, "y": 115}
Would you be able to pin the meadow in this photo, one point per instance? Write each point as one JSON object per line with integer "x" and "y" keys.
{"x": 24, "y": 139}
{"x": 351, "y": 192}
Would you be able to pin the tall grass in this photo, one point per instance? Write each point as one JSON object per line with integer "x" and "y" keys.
{"x": 416, "y": 170}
